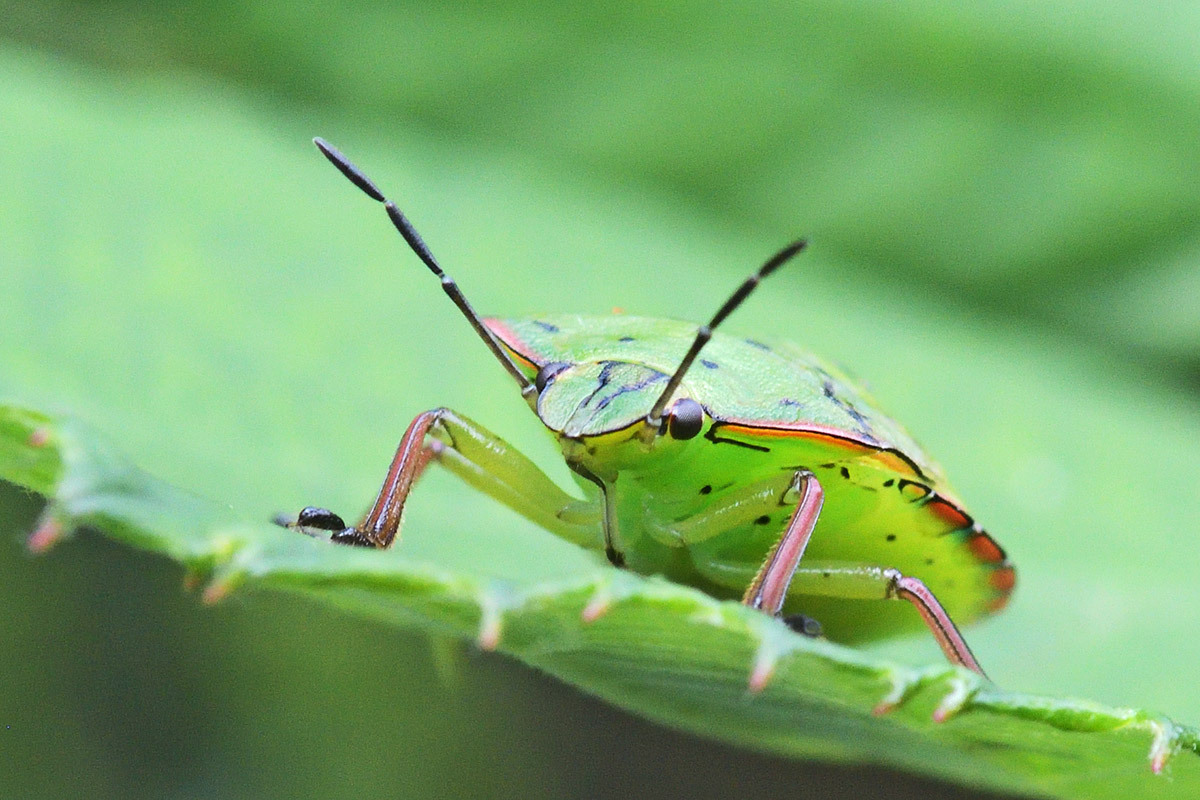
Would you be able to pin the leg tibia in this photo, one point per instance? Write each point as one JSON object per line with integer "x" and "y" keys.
{"x": 768, "y": 590}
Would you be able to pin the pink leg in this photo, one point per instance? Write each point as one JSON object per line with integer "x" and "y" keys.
{"x": 381, "y": 523}
{"x": 379, "y": 527}
{"x": 769, "y": 588}
{"x": 936, "y": 618}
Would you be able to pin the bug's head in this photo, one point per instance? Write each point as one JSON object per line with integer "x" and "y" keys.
{"x": 599, "y": 410}
{"x": 609, "y": 409}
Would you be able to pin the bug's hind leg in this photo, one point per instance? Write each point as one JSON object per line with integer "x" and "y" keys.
{"x": 936, "y": 619}
{"x": 869, "y": 582}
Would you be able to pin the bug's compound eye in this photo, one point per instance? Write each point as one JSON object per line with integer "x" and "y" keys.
{"x": 685, "y": 419}
{"x": 546, "y": 374}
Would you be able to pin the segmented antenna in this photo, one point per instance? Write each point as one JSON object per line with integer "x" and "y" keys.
{"x": 355, "y": 176}
{"x": 654, "y": 418}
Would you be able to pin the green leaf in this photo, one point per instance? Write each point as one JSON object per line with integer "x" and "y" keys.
{"x": 659, "y": 649}
{"x": 191, "y": 278}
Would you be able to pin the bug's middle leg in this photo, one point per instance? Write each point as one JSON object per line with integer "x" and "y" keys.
{"x": 768, "y": 589}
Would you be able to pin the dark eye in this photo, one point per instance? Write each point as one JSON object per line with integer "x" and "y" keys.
{"x": 546, "y": 374}
{"x": 685, "y": 419}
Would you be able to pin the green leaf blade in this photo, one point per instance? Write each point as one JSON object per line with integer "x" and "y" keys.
{"x": 661, "y": 650}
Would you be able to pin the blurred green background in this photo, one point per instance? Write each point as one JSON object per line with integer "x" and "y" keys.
{"x": 1004, "y": 214}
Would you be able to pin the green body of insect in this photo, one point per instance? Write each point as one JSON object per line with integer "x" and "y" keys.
{"x": 744, "y": 468}
{"x": 706, "y": 510}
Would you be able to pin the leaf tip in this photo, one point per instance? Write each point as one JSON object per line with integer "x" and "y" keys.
{"x": 39, "y": 437}
{"x": 490, "y": 624}
{"x": 962, "y": 690}
{"x": 1162, "y": 747}
{"x": 598, "y": 605}
{"x": 765, "y": 661}
{"x": 49, "y": 533}
{"x": 903, "y": 684}
{"x": 219, "y": 588}
{"x": 761, "y": 675}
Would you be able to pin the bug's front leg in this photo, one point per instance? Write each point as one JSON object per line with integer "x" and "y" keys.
{"x": 381, "y": 524}
{"x": 480, "y": 458}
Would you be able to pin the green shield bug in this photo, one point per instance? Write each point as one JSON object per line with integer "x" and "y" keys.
{"x": 743, "y": 468}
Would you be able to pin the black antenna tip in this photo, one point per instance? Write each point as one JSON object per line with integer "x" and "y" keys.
{"x": 782, "y": 257}
{"x": 349, "y": 170}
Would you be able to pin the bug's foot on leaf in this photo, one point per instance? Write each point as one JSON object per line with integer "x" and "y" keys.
{"x": 352, "y": 537}
{"x": 615, "y": 557}
{"x": 320, "y": 518}
{"x": 315, "y": 521}
{"x": 311, "y": 518}
{"x": 804, "y": 625}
